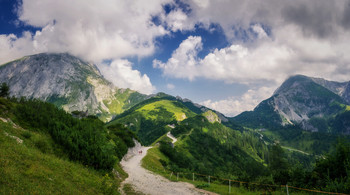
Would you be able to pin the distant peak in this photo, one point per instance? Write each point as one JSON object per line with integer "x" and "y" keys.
{"x": 291, "y": 81}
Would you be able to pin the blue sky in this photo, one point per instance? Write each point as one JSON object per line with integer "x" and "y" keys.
{"x": 227, "y": 55}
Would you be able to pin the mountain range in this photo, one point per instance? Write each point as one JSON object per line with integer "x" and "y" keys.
{"x": 304, "y": 115}
{"x": 313, "y": 104}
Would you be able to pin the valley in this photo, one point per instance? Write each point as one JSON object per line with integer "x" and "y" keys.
{"x": 70, "y": 116}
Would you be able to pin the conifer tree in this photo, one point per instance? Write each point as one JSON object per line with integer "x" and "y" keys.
{"x": 4, "y": 90}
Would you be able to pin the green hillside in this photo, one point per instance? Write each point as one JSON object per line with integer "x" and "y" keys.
{"x": 44, "y": 150}
{"x": 150, "y": 119}
{"x": 32, "y": 167}
{"x": 209, "y": 148}
{"x": 214, "y": 149}
{"x": 120, "y": 101}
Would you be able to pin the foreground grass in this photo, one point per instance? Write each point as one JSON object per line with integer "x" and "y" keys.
{"x": 152, "y": 162}
{"x": 32, "y": 167}
{"x": 129, "y": 190}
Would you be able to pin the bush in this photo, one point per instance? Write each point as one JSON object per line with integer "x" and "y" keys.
{"x": 26, "y": 134}
{"x": 42, "y": 145}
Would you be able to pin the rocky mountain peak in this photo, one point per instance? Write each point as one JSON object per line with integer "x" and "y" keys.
{"x": 66, "y": 81}
{"x": 300, "y": 100}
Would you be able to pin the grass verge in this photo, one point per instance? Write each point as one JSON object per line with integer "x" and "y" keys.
{"x": 153, "y": 162}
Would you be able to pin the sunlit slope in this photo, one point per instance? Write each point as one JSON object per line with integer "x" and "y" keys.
{"x": 153, "y": 118}
{"x": 28, "y": 166}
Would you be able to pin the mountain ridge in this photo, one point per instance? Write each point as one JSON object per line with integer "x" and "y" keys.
{"x": 68, "y": 82}
{"x": 300, "y": 100}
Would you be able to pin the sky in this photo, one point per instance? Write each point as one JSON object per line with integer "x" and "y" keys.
{"x": 228, "y": 55}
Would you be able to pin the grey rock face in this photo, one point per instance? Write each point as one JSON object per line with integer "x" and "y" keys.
{"x": 62, "y": 79}
{"x": 300, "y": 98}
{"x": 50, "y": 77}
{"x": 311, "y": 103}
{"x": 340, "y": 88}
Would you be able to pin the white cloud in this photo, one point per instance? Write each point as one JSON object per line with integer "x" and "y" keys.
{"x": 268, "y": 59}
{"x": 260, "y": 31}
{"x": 121, "y": 74}
{"x": 297, "y": 37}
{"x": 92, "y": 30}
{"x": 235, "y": 63}
{"x": 183, "y": 62}
{"x": 170, "y": 86}
{"x": 233, "y": 106}
{"x": 12, "y": 47}
{"x": 177, "y": 20}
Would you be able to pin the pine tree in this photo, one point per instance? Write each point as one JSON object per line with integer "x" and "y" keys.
{"x": 4, "y": 90}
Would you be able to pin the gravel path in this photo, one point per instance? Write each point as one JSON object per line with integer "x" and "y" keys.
{"x": 148, "y": 183}
{"x": 171, "y": 137}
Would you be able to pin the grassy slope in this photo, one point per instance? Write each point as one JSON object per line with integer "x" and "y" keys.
{"x": 180, "y": 113}
{"x": 209, "y": 143}
{"x": 150, "y": 120}
{"x": 123, "y": 99}
{"x": 32, "y": 168}
{"x": 157, "y": 162}
{"x": 152, "y": 162}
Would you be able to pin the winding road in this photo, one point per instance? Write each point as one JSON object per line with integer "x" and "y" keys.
{"x": 146, "y": 182}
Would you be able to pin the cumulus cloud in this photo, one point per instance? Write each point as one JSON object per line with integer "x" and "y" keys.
{"x": 121, "y": 74}
{"x": 183, "y": 62}
{"x": 297, "y": 37}
{"x": 322, "y": 18}
{"x": 233, "y": 106}
{"x": 269, "y": 59}
{"x": 177, "y": 20}
{"x": 235, "y": 63}
{"x": 92, "y": 30}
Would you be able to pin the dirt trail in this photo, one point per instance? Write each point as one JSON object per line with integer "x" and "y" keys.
{"x": 171, "y": 137}
{"x": 148, "y": 183}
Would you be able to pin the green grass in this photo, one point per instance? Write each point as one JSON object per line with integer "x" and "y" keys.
{"x": 343, "y": 106}
{"x": 116, "y": 105}
{"x": 129, "y": 190}
{"x": 179, "y": 113}
{"x": 347, "y": 108}
{"x": 33, "y": 167}
{"x": 211, "y": 116}
{"x": 164, "y": 138}
{"x": 152, "y": 162}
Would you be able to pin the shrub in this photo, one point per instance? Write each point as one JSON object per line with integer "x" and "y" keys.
{"x": 26, "y": 134}
{"x": 42, "y": 145}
